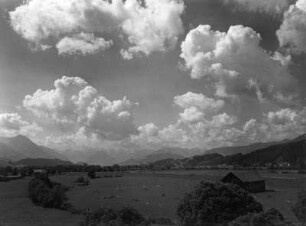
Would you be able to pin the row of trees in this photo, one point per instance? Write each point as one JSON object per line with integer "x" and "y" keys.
{"x": 28, "y": 170}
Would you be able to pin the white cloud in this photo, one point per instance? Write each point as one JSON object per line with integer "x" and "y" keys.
{"x": 73, "y": 105}
{"x": 199, "y": 101}
{"x": 191, "y": 114}
{"x": 225, "y": 130}
{"x": 143, "y": 27}
{"x": 83, "y": 44}
{"x": 230, "y": 59}
{"x": 284, "y": 60}
{"x": 277, "y": 125}
{"x": 266, "y": 6}
{"x": 126, "y": 55}
{"x": 12, "y": 124}
{"x": 292, "y": 32}
{"x": 199, "y": 125}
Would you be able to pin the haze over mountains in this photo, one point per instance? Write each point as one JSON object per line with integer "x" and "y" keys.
{"x": 22, "y": 150}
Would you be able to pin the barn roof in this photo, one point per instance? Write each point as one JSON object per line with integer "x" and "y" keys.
{"x": 247, "y": 176}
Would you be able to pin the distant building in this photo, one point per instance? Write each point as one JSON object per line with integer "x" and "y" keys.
{"x": 39, "y": 171}
{"x": 249, "y": 180}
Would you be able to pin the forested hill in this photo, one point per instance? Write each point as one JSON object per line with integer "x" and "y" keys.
{"x": 293, "y": 152}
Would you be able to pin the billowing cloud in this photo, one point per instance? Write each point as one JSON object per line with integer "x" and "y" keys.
{"x": 12, "y": 124}
{"x": 225, "y": 130}
{"x": 198, "y": 100}
{"x": 81, "y": 26}
{"x": 292, "y": 32}
{"x": 231, "y": 59}
{"x": 83, "y": 44}
{"x": 266, "y": 6}
{"x": 276, "y": 125}
{"x": 200, "y": 124}
{"x": 73, "y": 105}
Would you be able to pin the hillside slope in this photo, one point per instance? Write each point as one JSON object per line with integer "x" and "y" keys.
{"x": 42, "y": 162}
{"x": 20, "y": 147}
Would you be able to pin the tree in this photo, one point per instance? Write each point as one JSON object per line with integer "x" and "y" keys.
{"x": 127, "y": 216}
{"x": 211, "y": 204}
{"x": 299, "y": 209}
{"x": 44, "y": 192}
{"x": 130, "y": 216}
{"x": 91, "y": 174}
{"x": 301, "y": 165}
{"x": 15, "y": 172}
{"x": 271, "y": 218}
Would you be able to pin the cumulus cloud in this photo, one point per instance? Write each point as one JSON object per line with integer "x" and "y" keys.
{"x": 276, "y": 125}
{"x": 266, "y": 6}
{"x": 284, "y": 60}
{"x": 230, "y": 59}
{"x": 292, "y": 32}
{"x": 83, "y": 44}
{"x": 12, "y": 124}
{"x": 205, "y": 123}
{"x": 143, "y": 27}
{"x": 200, "y": 124}
{"x": 73, "y": 105}
{"x": 198, "y": 100}
{"x": 223, "y": 129}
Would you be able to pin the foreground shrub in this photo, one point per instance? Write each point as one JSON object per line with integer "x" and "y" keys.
{"x": 299, "y": 209}
{"x": 46, "y": 193}
{"x": 161, "y": 221}
{"x": 271, "y": 218}
{"x": 130, "y": 216}
{"x": 80, "y": 180}
{"x": 3, "y": 179}
{"x": 127, "y": 216}
{"x": 91, "y": 174}
{"x": 213, "y": 204}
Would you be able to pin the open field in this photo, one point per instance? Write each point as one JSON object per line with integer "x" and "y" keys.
{"x": 16, "y": 209}
{"x": 157, "y": 195}
{"x": 154, "y": 195}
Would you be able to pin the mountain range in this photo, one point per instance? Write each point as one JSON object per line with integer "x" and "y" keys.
{"x": 20, "y": 148}
{"x": 289, "y": 151}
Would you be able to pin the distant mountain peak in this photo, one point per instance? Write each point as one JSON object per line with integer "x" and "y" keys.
{"x": 21, "y": 138}
{"x": 20, "y": 147}
{"x": 300, "y": 138}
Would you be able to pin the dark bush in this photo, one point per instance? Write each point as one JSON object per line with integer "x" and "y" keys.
{"x": 80, "y": 180}
{"x": 3, "y": 179}
{"x": 271, "y": 218}
{"x": 127, "y": 216}
{"x": 299, "y": 208}
{"x": 46, "y": 193}
{"x": 92, "y": 174}
{"x": 212, "y": 204}
{"x": 161, "y": 221}
{"x": 130, "y": 216}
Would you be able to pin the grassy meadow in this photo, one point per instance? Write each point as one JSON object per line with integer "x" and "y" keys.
{"x": 16, "y": 209}
{"x": 153, "y": 194}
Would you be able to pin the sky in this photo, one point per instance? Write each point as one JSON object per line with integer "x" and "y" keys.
{"x": 123, "y": 75}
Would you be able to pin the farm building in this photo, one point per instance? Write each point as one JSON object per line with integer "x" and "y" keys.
{"x": 250, "y": 181}
{"x": 39, "y": 171}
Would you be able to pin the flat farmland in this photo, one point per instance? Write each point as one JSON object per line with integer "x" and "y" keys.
{"x": 153, "y": 194}
{"x": 16, "y": 209}
{"x": 158, "y": 194}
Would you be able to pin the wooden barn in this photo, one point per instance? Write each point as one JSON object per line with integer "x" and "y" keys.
{"x": 250, "y": 181}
